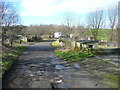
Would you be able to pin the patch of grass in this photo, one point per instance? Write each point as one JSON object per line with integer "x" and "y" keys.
{"x": 103, "y": 33}
{"x": 19, "y": 50}
{"x": 111, "y": 80}
{"x": 57, "y": 44}
{"x": 72, "y": 56}
{"x": 9, "y": 58}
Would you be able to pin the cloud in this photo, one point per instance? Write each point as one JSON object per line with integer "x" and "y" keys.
{"x": 52, "y": 7}
{"x": 10, "y": 0}
{"x": 37, "y": 7}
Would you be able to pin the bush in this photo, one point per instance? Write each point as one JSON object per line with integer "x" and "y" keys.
{"x": 57, "y": 44}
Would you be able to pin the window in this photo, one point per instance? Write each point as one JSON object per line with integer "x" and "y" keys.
{"x": 90, "y": 46}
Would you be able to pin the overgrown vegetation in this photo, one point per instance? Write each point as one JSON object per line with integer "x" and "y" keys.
{"x": 9, "y": 58}
{"x": 111, "y": 80}
{"x": 72, "y": 56}
{"x": 57, "y": 44}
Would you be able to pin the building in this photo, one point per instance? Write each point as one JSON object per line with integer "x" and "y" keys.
{"x": 93, "y": 44}
{"x": 57, "y": 34}
{"x": 22, "y": 38}
{"x": 106, "y": 45}
{"x": 87, "y": 43}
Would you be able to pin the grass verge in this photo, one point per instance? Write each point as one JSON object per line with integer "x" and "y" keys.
{"x": 9, "y": 58}
{"x": 72, "y": 56}
{"x": 111, "y": 80}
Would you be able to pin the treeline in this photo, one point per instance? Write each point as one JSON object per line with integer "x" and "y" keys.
{"x": 96, "y": 21}
{"x": 39, "y": 30}
{"x": 78, "y": 32}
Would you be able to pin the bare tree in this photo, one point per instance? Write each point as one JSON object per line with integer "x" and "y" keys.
{"x": 80, "y": 32}
{"x": 113, "y": 21}
{"x": 38, "y": 30}
{"x": 12, "y": 33}
{"x": 8, "y": 17}
{"x": 96, "y": 21}
{"x": 69, "y": 22}
{"x": 8, "y": 14}
{"x": 118, "y": 26}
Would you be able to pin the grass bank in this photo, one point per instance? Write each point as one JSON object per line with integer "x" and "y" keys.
{"x": 8, "y": 58}
{"x": 102, "y": 33}
{"x": 72, "y": 56}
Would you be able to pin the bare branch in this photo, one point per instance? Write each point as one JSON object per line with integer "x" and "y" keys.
{"x": 96, "y": 21}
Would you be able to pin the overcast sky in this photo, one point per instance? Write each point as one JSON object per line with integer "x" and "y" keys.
{"x": 53, "y": 11}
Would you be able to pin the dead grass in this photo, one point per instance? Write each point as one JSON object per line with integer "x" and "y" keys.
{"x": 111, "y": 80}
{"x": 103, "y": 69}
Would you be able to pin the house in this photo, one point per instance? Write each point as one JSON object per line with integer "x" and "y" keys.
{"x": 71, "y": 35}
{"x": 106, "y": 45}
{"x": 57, "y": 34}
{"x": 87, "y": 43}
{"x": 22, "y": 38}
{"x": 93, "y": 44}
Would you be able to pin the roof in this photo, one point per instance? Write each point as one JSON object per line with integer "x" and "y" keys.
{"x": 87, "y": 41}
{"x": 58, "y": 32}
{"x": 105, "y": 43}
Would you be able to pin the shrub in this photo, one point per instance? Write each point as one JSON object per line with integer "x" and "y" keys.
{"x": 57, "y": 44}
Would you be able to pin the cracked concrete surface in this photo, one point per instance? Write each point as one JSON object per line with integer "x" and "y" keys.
{"x": 36, "y": 69}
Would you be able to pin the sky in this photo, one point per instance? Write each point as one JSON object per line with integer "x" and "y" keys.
{"x": 53, "y": 11}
